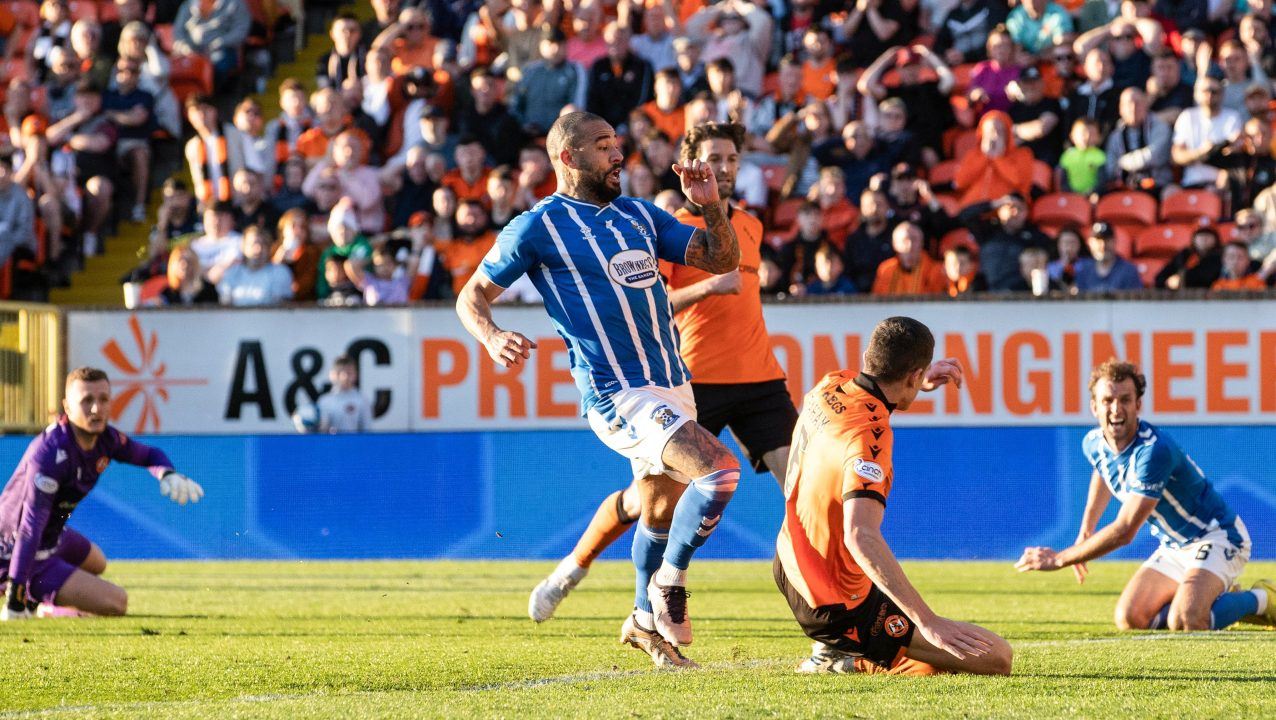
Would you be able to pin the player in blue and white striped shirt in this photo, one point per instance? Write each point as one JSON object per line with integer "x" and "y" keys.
{"x": 1204, "y": 545}
{"x": 593, "y": 255}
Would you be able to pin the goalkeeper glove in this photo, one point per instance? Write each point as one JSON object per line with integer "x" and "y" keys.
{"x": 18, "y": 606}
{"x": 179, "y": 488}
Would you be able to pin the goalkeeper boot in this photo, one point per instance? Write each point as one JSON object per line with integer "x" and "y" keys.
{"x": 827, "y": 659}
{"x": 1268, "y": 616}
{"x": 663, "y": 653}
{"x": 47, "y": 610}
{"x": 550, "y": 592}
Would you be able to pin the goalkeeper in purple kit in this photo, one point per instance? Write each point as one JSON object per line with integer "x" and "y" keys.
{"x": 47, "y": 566}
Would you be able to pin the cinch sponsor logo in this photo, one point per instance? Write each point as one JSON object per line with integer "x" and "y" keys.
{"x": 144, "y": 379}
{"x": 633, "y": 268}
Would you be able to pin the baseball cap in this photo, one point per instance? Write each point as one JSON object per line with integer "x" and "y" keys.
{"x": 1102, "y": 231}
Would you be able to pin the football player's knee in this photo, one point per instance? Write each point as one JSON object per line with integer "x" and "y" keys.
{"x": 116, "y": 604}
{"x": 1186, "y": 621}
{"x": 1127, "y": 619}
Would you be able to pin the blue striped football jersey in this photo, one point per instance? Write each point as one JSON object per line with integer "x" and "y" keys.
{"x": 597, "y": 269}
{"x": 1154, "y": 466}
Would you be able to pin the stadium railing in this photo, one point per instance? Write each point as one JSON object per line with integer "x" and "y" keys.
{"x": 32, "y": 364}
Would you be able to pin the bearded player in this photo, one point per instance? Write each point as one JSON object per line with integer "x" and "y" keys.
{"x": 48, "y": 566}
{"x": 593, "y": 255}
{"x": 736, "y": 380}
{"x": 1204, "y": 544}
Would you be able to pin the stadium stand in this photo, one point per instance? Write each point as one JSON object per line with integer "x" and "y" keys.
{"x": 988, "y": 110}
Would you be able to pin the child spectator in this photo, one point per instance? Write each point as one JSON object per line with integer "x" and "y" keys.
{"x": 1238, "y": 270}
{"x": 1083, "y": 162}
{"x": 389, "y": 281}
{"x": 830, "y": 277}
{"x": 186, "y": 285}
{"x": 962, "y": 273}
{"x": 295, "y": 250}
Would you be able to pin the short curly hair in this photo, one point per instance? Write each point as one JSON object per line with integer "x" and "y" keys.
{"x": 710, "y": 131}
{"x": 1116, "y": 371}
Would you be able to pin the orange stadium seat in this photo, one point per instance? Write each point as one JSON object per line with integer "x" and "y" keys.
{"x": 1192, "y": 206}
{"x": 1163, "y": 240}
{"x": 951, "y": 204}
{"x": 1061, "y": 209}
{"x": 190, "y": 74}
{"x": 774, "y": 176}
{"x": 1227, "y": 232}
{"x": 1127, "y": 207}
{"x": 961, "y": 77}
{"x": 164, "y": 36}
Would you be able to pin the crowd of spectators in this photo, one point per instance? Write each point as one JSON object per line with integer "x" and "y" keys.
{"x": 895, "y": 147}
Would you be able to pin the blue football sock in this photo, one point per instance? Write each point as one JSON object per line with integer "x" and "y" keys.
{"x": 698, "y": 512}
{"x": 1230, "y": 607}
{"x": 648, "y": 550}
{"x": 1161, "y": 620}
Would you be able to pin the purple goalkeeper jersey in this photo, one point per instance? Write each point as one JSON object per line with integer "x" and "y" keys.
{"x": 54, "y": 476}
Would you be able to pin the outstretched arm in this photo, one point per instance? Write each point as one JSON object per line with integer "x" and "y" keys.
{"x": 474, "y": 306}
{"x": 1121, "y": 532}
{"x": 863, "y": 523}
{"x": 1095, "y": 503}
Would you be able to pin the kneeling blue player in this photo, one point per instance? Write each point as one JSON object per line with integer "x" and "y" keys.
{"x": 1204, "y": 545}
{"x": 48, "y": 566}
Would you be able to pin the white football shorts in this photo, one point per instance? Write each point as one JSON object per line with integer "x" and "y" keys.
{"x": 646, "y": 418}
{"x": 1213, "y": 552}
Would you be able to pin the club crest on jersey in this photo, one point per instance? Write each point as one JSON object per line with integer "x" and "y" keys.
{"x": 102, "y": 462}
{"x": 868, "y": 470}
{"x": 634, "y": 269}
{"x": 664, "y": 416}
{"x": 896, "y": 626}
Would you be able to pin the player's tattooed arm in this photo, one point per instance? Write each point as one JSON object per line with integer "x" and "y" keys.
{"x": 715, "y": 248}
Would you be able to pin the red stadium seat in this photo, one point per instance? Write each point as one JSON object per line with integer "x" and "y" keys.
{"x": 1124, "y": 241}
{"x": 1127, "y": 207}
{"x": 1042, "y": 176}
{"x": 1192, "y": 206}
{"x": 107, "y": 11}
{"x": 82, "y": 10}
{"x": 6, "y": 279}
{"x": 774, "y": 176}
{"x": 190, "y": 74}
{"x": 785, "y": 215}
{"x": 961, "y": 78}
{"x": 958, "y": 237}
{"x": 164, "y": 36}
{"x": 1227, "y": 232}
{"x": 1148, "y": 268}
{"x": 1163, "y": 240}
{"x": 943, "y": 172}
{"x": 1062, "y": 209}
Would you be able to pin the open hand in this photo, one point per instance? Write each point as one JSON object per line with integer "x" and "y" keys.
{"x": 1038, "y": 558}
{"x": 698, "y": 182}
{"x": 942, "y": 372}
{"x": 954, "y": 638}
{"x": 508, "y": 348}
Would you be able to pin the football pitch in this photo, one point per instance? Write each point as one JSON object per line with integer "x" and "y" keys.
{"x": 452, "y": 639}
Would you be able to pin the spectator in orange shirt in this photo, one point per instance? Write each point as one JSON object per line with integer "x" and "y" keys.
{"x": 818, "y": 67}
{"x": 469, "y": 178}
{"x": 332, "y": 116}
{"x": 839, "y": 215}
{"x": 667, "y": 112}
{"x": 962, "y": 272}
{"x": 997, "y": 167}
{"x": 462, "y": 254}
{"x": 1237, "y": 270}
{"x": 409, "y": 39}
{"x": 911, "y": 271}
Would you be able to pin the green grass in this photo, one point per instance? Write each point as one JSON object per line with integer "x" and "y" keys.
{"x": 409, "y": 639}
